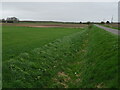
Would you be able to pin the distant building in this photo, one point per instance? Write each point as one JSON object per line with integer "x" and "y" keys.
{"x": 12, "y": 20}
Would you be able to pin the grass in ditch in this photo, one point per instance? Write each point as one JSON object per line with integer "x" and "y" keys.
{"x": 86, "y": 59}
{"x": 95, "y": 64}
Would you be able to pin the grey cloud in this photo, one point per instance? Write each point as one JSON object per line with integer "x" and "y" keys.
{"x": 66, "y": 11}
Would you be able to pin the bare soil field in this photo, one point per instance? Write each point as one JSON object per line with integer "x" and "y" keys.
{"x": 47, "y": 25}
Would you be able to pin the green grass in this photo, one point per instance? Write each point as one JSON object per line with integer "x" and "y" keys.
{"x": 85, "y": 59}
{"x": 111, "y": 27}
{"x": 23, "y": 39}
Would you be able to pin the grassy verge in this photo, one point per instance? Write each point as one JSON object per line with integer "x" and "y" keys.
{"x": 111, "y": 27}
{"x": 86, "y": 59}
{"x": 100, "y": 65}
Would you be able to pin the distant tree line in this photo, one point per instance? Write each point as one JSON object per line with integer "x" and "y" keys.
{"x": 15, "y": 20}
{"x": 9, "y": 20}
{"x": 107, "y": 22}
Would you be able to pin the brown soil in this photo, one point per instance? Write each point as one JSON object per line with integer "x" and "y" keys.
{"x": 47, "y": 25}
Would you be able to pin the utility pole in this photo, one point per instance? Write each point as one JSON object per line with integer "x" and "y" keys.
{"x": 103, "y": 19}
{"x": 112, "y": 19}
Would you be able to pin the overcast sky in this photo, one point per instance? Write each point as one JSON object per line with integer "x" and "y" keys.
{"x": 61, "y": 11}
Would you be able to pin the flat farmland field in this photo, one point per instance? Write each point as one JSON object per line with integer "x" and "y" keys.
{"x": 59, "y": 57}
{"x": 17, "y": 39}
